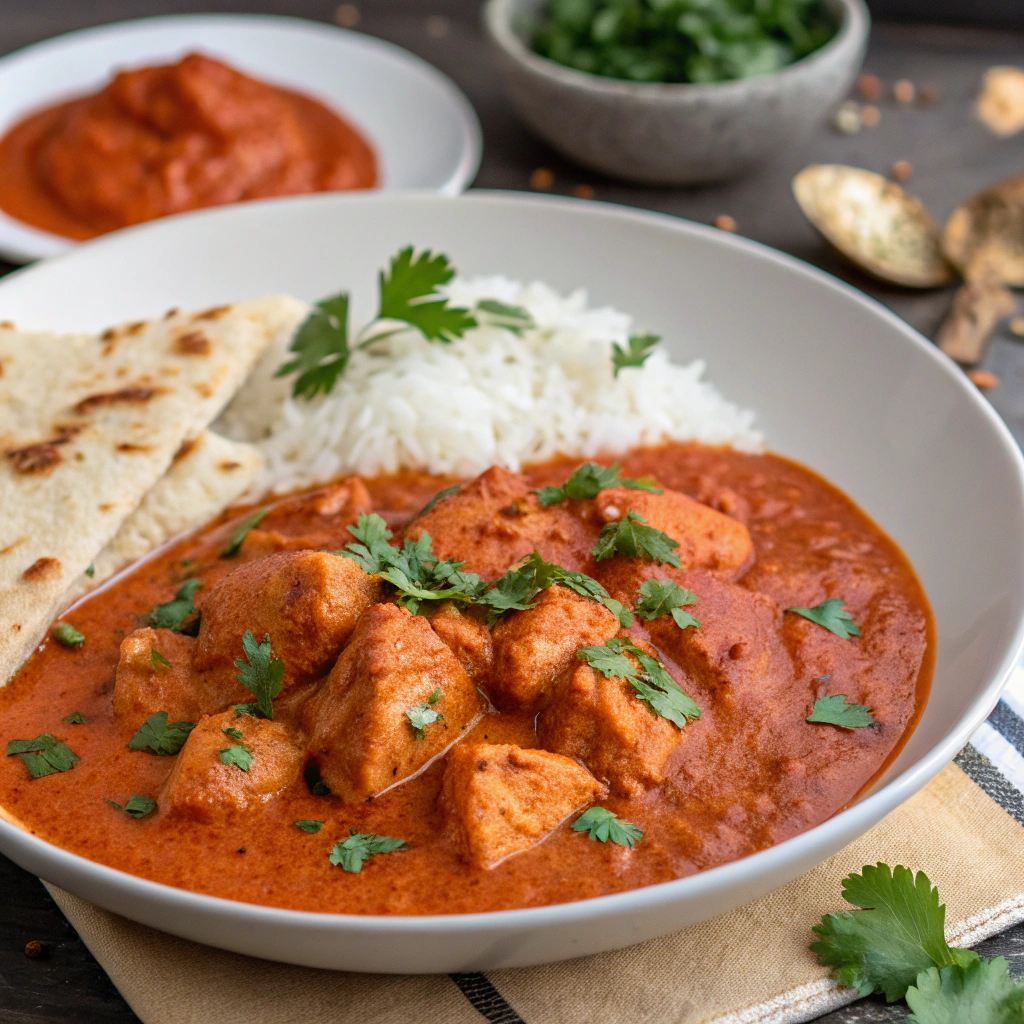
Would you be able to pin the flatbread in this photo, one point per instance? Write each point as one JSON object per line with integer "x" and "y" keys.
{"x": 88, "y": 425}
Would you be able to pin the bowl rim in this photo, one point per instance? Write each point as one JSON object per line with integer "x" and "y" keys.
{"x": 852, "y": 821}
{"x": 852, "y": 34}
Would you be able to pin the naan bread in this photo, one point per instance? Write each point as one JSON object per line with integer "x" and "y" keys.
{"x": 88, "y": 425}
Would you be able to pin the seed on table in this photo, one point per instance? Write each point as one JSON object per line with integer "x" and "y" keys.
{"x": 1016, "y": 326}
{"x": 847, "y": 118}
{"x": 903, "y": 91}
{"x": 33, "y": 949}
{"x": 870, "y": 115}
{"x": 902, "y": 170}
{"x": 725, "y": 223}
{"x": 583, "y": 192}
{"x": 983, "y": 380}
{"x": 929, "y": 95}
{"x": 542, "y": 178}
{"x": 347, "y": 15}
{"x": 869, "y": 87}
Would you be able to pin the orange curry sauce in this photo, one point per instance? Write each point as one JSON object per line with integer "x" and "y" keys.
{"x": 749, "y": 773}
{"x": 162, "y": 140}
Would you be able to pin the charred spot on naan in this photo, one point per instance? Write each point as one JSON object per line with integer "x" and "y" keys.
{"x": 41, "y": 568}
{"x": 133, "y": 395}
{"x": 41, "y": 456}
{"x": 194, "y": 343}
{"x": 213, "y": 313}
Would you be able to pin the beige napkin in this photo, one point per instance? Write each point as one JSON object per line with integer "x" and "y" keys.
{"x": 751, "y": 966}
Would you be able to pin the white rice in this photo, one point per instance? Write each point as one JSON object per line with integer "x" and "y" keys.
{"x": 489, "y": 398}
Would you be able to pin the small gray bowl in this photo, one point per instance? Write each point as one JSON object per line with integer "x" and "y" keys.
{"x": 674, "y": 134}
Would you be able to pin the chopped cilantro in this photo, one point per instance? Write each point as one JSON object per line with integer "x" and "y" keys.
{"x": 408, "y": 292}
{"x": 635, "y": 353}
{"x": 172, "y": 614}
{"x": 314, "y": 783}
{"x": 604, "y": 825}
{"x": 631, "y": 537}
{"x": 75, "y": 718}
{"x": 91, "y": 571}
{"x": 321, "y": 348}
{"x": 608, "y": 660}
{"x": 830, "y": 614}
{"x": 589, "y": 480}
{"x": 354, "y": 852}
{"x": 309, "y": 825}
{"x": 238, "y": 755}
{"x": 235, "y": 734}
{"x": 500, "y": 314}
{"x": 833, "y": 710}
{"x": 157, "y": 660}
{"x": 424, "y": 714}
{"x": 444, "y": 493}
{"x": 980, "y": 992}
{"x": 238, "y": 537}
{"x": 156, "y": 736}
{"x": 45, "y": 755}
{"x": 247, "y": 709}
{"x": 665, "y": 597}
{"x": 67, "y": 636}
{"x": 136, "y": 806}
{"x": 262, "y": 674}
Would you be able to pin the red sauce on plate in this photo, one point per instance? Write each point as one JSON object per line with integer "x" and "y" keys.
{"x": 166, "y": 139}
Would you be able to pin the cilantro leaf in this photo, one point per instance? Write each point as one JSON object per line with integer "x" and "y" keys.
{"x": 609, "y": 661}
{"x": 247, "y": 709}
{"x": 830, "y": 614}
{"x": 157, "y": 660}
{"x": 631, "y": 537}
{"x": 666, "y": 597}
{"x": 321, "y": 348}
{"x": 408, "y": 292}
{"x": 833, "y": 710}
{"x": 588, "y": 481}
{"x": 500, "y": 314}
{"x": 156, "y": 736}
{"x": 75, "y": 718}
{"x": 238, "y": 537}
{"x": 604, "y": 825}
{"x": 981, "y": 992}
{"x": 899, "y": 933}
{"x": 514, "y": 591}
{"x": 441, "y": 495}
{"x": 237, "y": 755}
{"x": 235, "y": 734}
{"x": 635, "y": 353}
{"x": 67, "y": 636}
{"x": 355, "y": 851}
{"x": 45, "y": 755}
{"x": 309, "y": 825}
{"x": 172, "y": 614}
{"x": 91, "y": 571}
{"x": 424, "y": 714}
{"x": 136, "y": 806}
{"x": 261, "y": 674}
{"x": 373, "y": 553}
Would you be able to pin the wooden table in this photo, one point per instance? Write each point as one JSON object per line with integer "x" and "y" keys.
{"x": 952, "y": 155}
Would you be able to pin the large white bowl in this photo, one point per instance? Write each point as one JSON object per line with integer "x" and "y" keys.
{"x": 423, "y": 128}
{"x": 840, "y": 383}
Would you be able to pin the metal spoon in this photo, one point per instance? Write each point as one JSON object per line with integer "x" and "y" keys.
{"x": 873, "y": 223}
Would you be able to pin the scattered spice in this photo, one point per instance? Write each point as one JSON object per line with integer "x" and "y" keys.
{"x": 1016, "y": 326}
{"x": 34, "y": 949}
{"x": 904, "y": 91}
{"x": 983, "y": 380}
{"x": 870, "y": 115}
{"x": 847, "y": 118}
{"x": 436, "y": 26}
{"x": 725, "y": 223}
{"x": 902, "y": 170}
{"x": 347, "y": 15}
{"x": 542, "y": 179}
{"x": 929, "y": 95}
{"x": 583, "y": 192}
{"x": 1001, "y": 101}
{"x": 869, "y": 87}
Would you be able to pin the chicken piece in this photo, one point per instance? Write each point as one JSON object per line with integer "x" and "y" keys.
{"x": 468, "y": 637}
{"x": 308, "y": 601}
{"x": 707, "y": 539}
{"x": 143, "y": 685}
{"x": 494, "y": 521}
{"x": 499, "y": 799}
{"x": 361, "y": 734}
{"x": 205, "y": 788}
{"x": 602, "y": 723}
{"x": 532, "y": 648}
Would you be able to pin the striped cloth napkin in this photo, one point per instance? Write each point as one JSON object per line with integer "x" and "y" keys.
{"x": 751, "y": 966}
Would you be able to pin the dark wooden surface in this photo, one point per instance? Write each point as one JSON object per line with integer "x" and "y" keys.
{"x": 952, "y": 156}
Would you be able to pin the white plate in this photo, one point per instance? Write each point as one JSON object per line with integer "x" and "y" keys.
{"x": 839, "y": 382}
{"x": 423, "y": 128}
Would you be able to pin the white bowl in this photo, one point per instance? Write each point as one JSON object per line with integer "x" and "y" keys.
{"x": 840, "y": 383}
{"x": 423, "y": 128}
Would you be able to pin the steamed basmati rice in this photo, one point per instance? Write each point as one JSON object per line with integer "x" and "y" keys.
{"x": 490, "y": 398}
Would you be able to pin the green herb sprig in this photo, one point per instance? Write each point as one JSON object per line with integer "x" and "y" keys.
{"x": 45, "y": 755}
{"x": 589, "y": 480}
{"x": 260, "y": 673}
{"x": 604, "y": 826}
{"x": 637, "y": 349}
{"x": 173, "y": 614}
{"x": 666, "y": 597}
{"x": 67, "y": 636}
{"x": 422, "y": 715}
{"x": 160, "y": 737}
{"x": 832, "y": 616}
{"x": 632, "y": 537}
{"x": 354, "y": 852}
{"x": 135, "y": 806}
{"x": 833, "y": 710}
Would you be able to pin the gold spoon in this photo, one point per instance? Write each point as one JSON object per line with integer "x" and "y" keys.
{"x": 874, "y": 223}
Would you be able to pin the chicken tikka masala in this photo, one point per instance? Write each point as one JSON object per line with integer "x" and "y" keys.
{"x": 405, "y": 695}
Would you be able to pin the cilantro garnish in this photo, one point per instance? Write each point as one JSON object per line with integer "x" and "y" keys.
{"x": 234, "y": 733}
{"x": 589, "y": 480}
{"x": 309, "y": 825}
{"x": 444, "y": 493}
{"x": 314, "y": 783}
{"x": 321, "y": 348}
{"x": 631, "y": 537}
{"x": 91, "y": 571}
{"x": 67, "y": 636}
{"x": 830, "y": 614}
{"x": 238, "y": 537}
{"x": 172, "y": 614}
{"x": 424, "y": 714}
{"x": 354, "y": 852}
{"x": 261, "y": 674}
{"x": 238, "y": 755}
{"x": 75, "y": 718}
{"x": 500, "y": 314}
{"x": 408, "y": 292}
{"x": 666, "y": 597}
{"x": 45, "y": 755}
{"x": 136, "y": 806}
{"x": 652, "y": 682}
{"x": 157, "y": 660}
{"x": 635, "y": 353}
{"x": 604, "y": 825}
{"x": 833, "y": 710}
{"x": 981, "y": 991}
{"x": 156, "y": 736}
